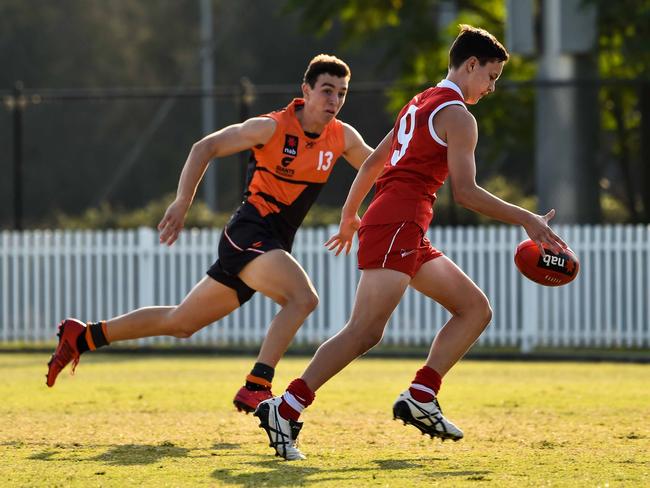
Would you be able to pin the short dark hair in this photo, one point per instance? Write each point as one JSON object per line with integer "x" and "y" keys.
{"x": 473, "y": 41}
{"x": 325, "y": 63}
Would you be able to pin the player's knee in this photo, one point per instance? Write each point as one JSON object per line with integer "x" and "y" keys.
{"x": 487, "y": 317}
{"x": 477, "y": 307}
{"x": 483, "y": 310}
{"x": 306, "y": 302}
{"x": 363, "y": 337}
{"x": 178, "y": 326}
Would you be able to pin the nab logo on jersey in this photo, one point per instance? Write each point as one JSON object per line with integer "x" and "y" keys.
{"x": 290, "y": 145}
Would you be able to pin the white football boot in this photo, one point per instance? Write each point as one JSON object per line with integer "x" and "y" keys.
{"x": 282, "y": 432}
{"x": 425, "y": 416}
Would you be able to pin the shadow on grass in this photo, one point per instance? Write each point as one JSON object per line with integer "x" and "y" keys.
{"x": 396, "y": 464}
{"x": 124, "y": 455}
{"x": 43, "y": 456}
{"x": 134, "y": 454}
{"x": 389, "y": 464}
{"x": 471, "y": 475}
{"x": 223, "y": 446}
{"x": 12, "y": 443}
{"x": 283, "y": 473}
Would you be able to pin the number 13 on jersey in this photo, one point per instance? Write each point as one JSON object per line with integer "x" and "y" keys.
{"x": 404, "y": 134}
{"x": 325, "y": 160}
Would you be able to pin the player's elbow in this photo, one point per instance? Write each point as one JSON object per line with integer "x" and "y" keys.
{"x": 204, "y": 149}
{"x": 463, "y": 195}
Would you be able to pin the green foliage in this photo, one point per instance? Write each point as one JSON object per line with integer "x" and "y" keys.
{"x": 624, "y": 52}
{"x": 107, "y": 217}
{"x": 413, "y": 33}
{"x": 512, "y": 193}
{"x": 83, "y": 145}
{"x": 624, "y": 37}
{"x": 416, "y": 45}
{"x": 199, "y": 215}
{"x": 76, "y": 43}
{"x": 129, "y": 420}
{"x": 614, "y": 211}
{"x": 129, "y": 150}
{"x": 320, "y": 215}
{"x": 448, "y": 212}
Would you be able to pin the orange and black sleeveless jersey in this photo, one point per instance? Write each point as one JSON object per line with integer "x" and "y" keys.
{"x": 287, "y": 173}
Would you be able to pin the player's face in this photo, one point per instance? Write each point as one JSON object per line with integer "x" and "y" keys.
{"x": 327, "y": 96}
{"x": 482, "y": 79}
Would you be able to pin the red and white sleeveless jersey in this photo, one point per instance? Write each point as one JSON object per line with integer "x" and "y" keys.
{"x": 417, "y": 164}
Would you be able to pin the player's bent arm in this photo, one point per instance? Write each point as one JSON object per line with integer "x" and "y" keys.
{"x": 229, "y": 140}
{"x": 368, "y": 173}
{"x": 462, "y": 136}
{"x": 356, "y": 149}
{"x": 224, "y": 142}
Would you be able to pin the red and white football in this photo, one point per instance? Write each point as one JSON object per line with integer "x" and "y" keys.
{"x": 549, "y": 270}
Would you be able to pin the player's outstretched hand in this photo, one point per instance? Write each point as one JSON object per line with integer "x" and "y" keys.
{"x": 540, "y": 232}
{"x": 343, "y": 239}
{"x": 172, "y": 222}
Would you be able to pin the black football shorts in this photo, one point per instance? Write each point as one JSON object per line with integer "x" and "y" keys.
{"x": 246, "y": 237}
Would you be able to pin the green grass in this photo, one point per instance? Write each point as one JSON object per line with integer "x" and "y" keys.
{"x": 128, "y": 420}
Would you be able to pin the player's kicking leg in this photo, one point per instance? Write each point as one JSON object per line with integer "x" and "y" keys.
{"x": 208, "y": 302}
{"x": 377, "y": 296}
{"x": 441, "y": 280}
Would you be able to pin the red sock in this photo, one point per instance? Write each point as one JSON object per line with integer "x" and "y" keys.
{"x": 425, "y": 385}
{"x": 297, "y": 397}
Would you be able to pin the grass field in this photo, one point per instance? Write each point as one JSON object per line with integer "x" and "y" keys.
{"x": 127, "y": 420}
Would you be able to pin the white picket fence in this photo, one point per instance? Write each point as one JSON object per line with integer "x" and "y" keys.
{"x": 48, "y": 275}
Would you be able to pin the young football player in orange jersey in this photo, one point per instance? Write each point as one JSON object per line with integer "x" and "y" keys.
{"x": 294, "y": 151}
{"x": 434, "y": 136}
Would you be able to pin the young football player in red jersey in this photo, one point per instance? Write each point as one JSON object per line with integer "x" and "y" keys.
{"x": 434, "y": 137}
{"x": 294, "y": 151}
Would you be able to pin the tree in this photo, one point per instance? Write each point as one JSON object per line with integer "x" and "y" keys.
{"x": 624, "y": 53}
{"x": 73, "y": 149}
{"x": 417, "y": 33}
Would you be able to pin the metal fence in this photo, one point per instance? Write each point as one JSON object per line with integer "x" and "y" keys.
{"x": 48, "y": 275}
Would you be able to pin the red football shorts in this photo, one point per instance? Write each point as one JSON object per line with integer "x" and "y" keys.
{"x": 401, "y": 246}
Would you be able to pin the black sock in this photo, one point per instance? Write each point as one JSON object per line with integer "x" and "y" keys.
{"x": 97, "y": 335}
{"x": 82, "y": 343}
{"x": 262, "y": 372}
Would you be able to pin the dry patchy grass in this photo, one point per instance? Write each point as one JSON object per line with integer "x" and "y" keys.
{"x": 169, "y": 421}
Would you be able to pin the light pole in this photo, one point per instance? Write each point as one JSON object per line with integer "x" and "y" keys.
{"x": 210, "y": 179}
